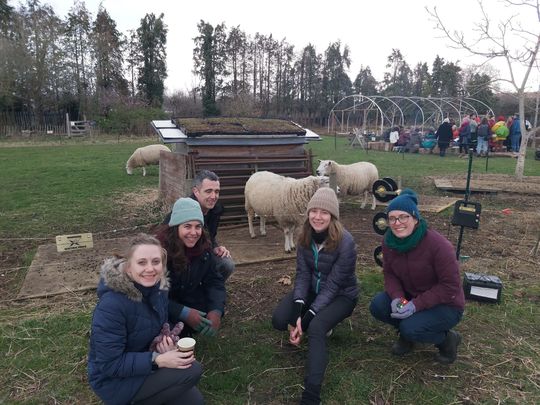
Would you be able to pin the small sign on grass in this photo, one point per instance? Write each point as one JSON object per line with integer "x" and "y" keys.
{"x": 65, "y": 243}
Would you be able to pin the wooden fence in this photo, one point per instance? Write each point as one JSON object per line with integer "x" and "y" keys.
{"x": 28, "y": 123}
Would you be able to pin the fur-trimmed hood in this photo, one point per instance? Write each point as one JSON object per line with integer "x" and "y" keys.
{"x": 114, "y": 278}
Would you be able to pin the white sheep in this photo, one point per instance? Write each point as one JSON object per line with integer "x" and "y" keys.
{"x": 285, "y": 199}
{"x": 144, "y": 156}
{"x": 353, "y": 179}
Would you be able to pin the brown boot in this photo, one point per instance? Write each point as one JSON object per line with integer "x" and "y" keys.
{"x": 448, "y": 349}
{"x": 402, "y": 346}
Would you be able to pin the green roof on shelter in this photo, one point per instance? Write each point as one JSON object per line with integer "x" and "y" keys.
{"x": 193, "y": 127}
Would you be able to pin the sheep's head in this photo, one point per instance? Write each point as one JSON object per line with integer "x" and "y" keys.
{"x": 129, "y": 170}
{"x": 324, "y": 181}
{"x": 324, "y": 167}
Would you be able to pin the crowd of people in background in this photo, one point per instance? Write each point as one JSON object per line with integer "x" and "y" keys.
{"x": 482, "y": 134}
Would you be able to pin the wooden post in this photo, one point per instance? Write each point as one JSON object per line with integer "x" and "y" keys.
{"x": 68, "y": 126}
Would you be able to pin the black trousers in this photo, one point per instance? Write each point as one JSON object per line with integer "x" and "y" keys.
{"x": 326, "y": 319}
{"x": 171, "y": 386}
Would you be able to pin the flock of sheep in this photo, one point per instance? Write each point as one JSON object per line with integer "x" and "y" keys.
{"x": 284, "y": 199}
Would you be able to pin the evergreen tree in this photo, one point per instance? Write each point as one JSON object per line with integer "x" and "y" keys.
{"x": 365, "y": 83}
{"x": 108, "y": 56}
{"x": 152, "y": 71}
{"x": 421, "y": 80}
{"x": 437, "y": 77}
{"x": 451, "y": 80}
{"x": 336, "y": 83}
{"x": 309, "y": 81}
{"x": 209, "y": 63}
{"x": 133, "y": 60}
{"x": 236, "y": 50}
{"x": 77, "y": 49}
{"x": 40, "y": 33}
{"x": 8, "y": 61}
{"x": 398, "y": 81}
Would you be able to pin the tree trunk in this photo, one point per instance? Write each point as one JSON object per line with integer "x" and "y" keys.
{"x": 520, "y": 165}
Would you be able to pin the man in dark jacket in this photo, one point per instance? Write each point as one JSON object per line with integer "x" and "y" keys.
{"x": 206, "y": 190}
{"x": 444, "y": 136}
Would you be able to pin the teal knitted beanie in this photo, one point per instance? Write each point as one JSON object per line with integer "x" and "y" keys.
{"x": 185, "y": 210}
{"x": 406, "y": 201}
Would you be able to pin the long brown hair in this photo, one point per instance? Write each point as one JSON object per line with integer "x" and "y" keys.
{"x": 335, "y": 234}
{"x": 178, "y": 259}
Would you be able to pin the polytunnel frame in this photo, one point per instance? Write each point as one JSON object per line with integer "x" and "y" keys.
{"x": 454, "y": 103}
{"x": 332, "y": 113}
{"x": 413, "y": 102}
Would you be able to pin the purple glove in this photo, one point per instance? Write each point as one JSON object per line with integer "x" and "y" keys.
{"x": 405, "y": 311}
{"x": 394, "y": 303}
{"x": 166, "y": 331}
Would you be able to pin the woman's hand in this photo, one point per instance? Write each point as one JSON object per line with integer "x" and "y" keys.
{"x": 166, "y": 345}
{"x": 175, "y": 359}
{"x": 295, "y": 333}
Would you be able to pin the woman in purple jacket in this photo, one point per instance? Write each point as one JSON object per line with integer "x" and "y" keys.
{"x": 325, "y": 290}
{"x": 423, "y": 296}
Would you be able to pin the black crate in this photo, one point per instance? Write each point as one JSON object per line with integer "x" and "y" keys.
{"x": 467, "y": 214}
{"x": 482, "y": 287}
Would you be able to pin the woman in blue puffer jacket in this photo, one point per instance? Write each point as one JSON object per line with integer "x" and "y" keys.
{"x": 325, "y": 290}
{"x": 128, "y": 318}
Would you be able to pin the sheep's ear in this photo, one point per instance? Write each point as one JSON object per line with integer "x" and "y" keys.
{"x": 319, "y": 160}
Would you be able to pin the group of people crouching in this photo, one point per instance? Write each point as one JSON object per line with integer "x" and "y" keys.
{"x": 170, "y": 285}
{"x": 481, "y": 134}
{"x": 409, "y": 140}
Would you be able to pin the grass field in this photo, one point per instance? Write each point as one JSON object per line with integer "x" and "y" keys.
{"x": 70, "y": 187}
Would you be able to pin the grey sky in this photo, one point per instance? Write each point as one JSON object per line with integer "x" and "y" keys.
{"x": 371, "y": 28}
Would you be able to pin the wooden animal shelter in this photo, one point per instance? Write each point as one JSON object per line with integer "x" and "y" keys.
{"x": 233, "y": 148}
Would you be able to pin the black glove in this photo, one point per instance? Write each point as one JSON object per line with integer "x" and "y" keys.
{"x": 306, "y": 319}
{"x": 297, "y": 310}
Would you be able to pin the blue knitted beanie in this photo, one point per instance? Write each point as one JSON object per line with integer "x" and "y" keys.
{"x": 185, "y": 210}
{"x": 406, "y": 201}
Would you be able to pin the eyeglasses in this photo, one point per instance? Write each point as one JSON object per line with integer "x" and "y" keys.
{"x": 403, "y": 219}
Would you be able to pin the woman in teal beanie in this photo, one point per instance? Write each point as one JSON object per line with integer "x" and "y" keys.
{"x": 197, "y": 293}
{"x": 423, "y": 296}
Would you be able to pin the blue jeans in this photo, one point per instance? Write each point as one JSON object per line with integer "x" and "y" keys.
{"x": 426, "y": 326}
{"x": 482, "y": 146}
{"x": 515, "y": 141}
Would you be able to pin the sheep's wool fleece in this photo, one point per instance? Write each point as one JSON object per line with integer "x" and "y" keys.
{"x": 355, "y": 178}
{"x": 284, "y": 198}
{"x": 146, "y": 155}
{"x": 325, "y": 198}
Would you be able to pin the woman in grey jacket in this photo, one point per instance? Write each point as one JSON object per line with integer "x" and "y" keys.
{"x": 325, "y": 291}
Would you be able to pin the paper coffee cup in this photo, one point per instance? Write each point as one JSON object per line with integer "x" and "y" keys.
{"x": 186, "y": 344}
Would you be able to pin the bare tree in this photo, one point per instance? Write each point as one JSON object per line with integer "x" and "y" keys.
{"x": 495, "y": 41}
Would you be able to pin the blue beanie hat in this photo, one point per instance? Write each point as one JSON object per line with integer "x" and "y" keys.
{"x": 185, "y": 210}
{"x": 406, "y": 201}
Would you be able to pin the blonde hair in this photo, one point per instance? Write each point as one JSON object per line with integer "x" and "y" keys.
{"x": 143, "y": 239}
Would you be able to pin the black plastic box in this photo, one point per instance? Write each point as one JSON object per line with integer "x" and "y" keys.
{"x": 482, "y": 287}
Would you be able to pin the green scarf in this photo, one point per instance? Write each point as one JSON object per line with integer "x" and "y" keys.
{"x": 403, "y": 245}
